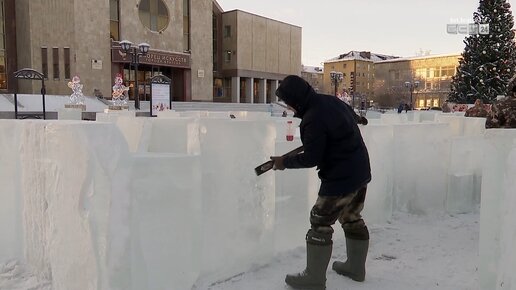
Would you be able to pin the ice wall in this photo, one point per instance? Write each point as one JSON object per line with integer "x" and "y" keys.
{"x": 506, "y": 279}
{"x": 173, "y": 135}
{"x": 393, "y": 118}
{"x": 465, "y": 173}
{"x": 238, "y": 206}
{"x": 456, "y": 123}
{"x": 165, "y": 221}
{"x": 296, "y": 193}
{"x": 498, "y": 144}
{"x": 11, "y": 245}
{"x": 379, "y": 200}
{"x": 67, "y": 168}
{"x": 421, "y": 154}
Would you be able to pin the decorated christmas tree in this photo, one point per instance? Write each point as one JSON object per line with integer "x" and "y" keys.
{"x": 489, "y": 58}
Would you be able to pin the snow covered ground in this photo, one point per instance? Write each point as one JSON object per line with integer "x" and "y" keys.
{"x": 412, "y": 252}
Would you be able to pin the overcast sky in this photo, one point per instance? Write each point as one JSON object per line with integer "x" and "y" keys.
{"x": 395, "y": 27}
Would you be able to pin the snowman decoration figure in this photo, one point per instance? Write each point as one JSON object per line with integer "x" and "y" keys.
{"x": 77, "y": 97}
{"x": 119, "y": 95}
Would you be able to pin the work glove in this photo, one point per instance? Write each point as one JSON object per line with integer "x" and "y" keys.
{"x": 278, "y": 163}
{"x": 363, "y": 121}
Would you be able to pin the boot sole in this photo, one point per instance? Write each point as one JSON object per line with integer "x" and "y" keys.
{"x": 304, "y": 286}
{"x": 348, "y": 274}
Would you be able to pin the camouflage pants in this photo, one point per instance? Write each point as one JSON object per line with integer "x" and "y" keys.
{"x": 346, "y": 209}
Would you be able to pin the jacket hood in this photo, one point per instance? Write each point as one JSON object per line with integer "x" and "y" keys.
{"x": 295, "y": 92}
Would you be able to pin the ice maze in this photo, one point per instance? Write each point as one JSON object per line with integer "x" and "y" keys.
{"x": 172, "y": 202}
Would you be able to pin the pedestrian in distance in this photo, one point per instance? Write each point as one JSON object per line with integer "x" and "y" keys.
{"x": 332, "y": 141}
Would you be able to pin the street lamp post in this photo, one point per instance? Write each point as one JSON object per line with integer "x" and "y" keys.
{"x": 411, "y": 86}
{"x": 135, "y": 52}
{"x": 336, "y": 77}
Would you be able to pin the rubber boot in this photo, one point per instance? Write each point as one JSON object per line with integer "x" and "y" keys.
{"x": 354, "y": 267}
{"x": 318, "y": 254}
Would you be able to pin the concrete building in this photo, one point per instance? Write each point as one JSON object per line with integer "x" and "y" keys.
{"x": 314, "y": 76}
{"x": 209, "y": 54}
{"x": 257, "y": 53}
{"x": 433, "y": 75}
{"x": 358, "y": 68}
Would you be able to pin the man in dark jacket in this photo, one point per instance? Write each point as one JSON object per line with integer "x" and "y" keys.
{"x": 332, "y": 142}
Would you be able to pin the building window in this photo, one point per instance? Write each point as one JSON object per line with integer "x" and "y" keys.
{"x": 186, "y": 25}
{"x": 55, "y": 62}
{"x": 227, "y": 30}
{"x": 215, "y": 42}
{"x": 447, "y": 71}
{"x": 66, "y": 61}
{"x": 114, "y": 19}
{"x": 227, "y": 87}
{"x": 44, "y": 62}
{"x": 3, "y": 64}
{"x": 154, "y": 14}
{"x": 344, "y": 65}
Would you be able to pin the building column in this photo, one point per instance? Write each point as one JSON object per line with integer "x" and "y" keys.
{"x": 262, "y": 90}
{"x": 235, "y": 89}
{"x": 249, "y": 90}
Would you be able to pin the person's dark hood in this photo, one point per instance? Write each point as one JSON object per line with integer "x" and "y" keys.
{"x": 295, "y": 92}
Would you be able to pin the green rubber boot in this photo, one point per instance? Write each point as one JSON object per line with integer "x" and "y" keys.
{"x": 354, "y": 267}
{"x": 318, "y": 254}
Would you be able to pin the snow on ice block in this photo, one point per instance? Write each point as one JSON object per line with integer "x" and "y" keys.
{"x": 166, "y": 221}
{"x": 474, "y": 126}
{"x": 11, "y": 240}
{"x": 459, "y": 198}
{"x": 238, "y": 206}
{"x": 456, "y": 123}
{"x": 498, "y": 143}
{"x": 173, "y": 135}
{"x": 394, "y": 118}
{"x": 69, "y": 114}
{"x": 507, "y": 262}
{"x": 380, "y": 145}
{"x": 420, "y": 166}
{"x": 296, "y": 193}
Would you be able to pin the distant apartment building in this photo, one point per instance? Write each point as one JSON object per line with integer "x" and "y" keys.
{"x": 432, "y": 74}
{"x": 358, "y": 68}
{"x": 209, "y": 54}
{"x": 314, "y": 76}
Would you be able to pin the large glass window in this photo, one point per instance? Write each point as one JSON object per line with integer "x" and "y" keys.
{"x": 114, "y": 19}
{"x": 154, "y": 14}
